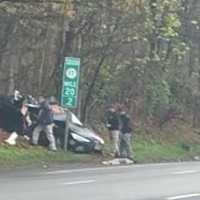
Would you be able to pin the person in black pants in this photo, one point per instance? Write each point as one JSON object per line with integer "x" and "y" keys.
{"x": 126, "y": 135}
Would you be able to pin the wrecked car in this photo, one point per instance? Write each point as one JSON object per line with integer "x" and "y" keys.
{"x": 80, "y": 138}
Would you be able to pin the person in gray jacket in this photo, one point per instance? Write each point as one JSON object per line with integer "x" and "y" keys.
{"x": 46, "y": 124}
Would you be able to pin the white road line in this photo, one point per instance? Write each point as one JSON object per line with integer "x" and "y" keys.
{"x": 183, "y": 196}
{"x": 185, "y": 172}
{"x": 79, "y": 182}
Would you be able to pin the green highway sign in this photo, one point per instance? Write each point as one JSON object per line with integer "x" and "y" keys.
{"x": 70, "y": 82}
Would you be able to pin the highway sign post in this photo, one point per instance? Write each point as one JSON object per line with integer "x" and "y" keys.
{"x": 70, "y": 86}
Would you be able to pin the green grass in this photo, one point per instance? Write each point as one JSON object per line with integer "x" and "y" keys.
{"x": 36, "y": 156}
{"x": 146, "y": 148}
{"x": 152, "y": 150}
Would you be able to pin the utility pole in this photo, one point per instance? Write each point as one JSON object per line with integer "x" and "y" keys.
{"x": 67, "y": 50}
{"x": 65, "y": 29}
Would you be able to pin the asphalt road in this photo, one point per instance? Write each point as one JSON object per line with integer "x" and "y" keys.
{"x": 137, "y": 182}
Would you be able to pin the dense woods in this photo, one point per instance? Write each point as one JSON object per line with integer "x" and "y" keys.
{"x": 144, "y": 53}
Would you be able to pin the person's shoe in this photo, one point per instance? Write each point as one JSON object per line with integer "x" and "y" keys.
{"x": 126, "y": 161}
{"x": 12, "y": 139}
{"x": 132, "y": 159}
{"x": 12, "y": 143}
{"x": 26, "y": 138}
{"x": 117, "y": 155}
{"x": 54, "y": 149}
{"x": 33, "y": 143}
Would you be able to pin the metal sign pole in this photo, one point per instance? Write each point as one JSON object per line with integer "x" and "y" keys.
{"x": 66, "y": 137}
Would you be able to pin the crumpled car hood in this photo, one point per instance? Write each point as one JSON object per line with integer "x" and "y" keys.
{"x": 85, "y": 132}
{"x": 78, "y": 128}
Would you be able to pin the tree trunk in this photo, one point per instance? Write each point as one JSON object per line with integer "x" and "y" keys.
{"x": 90, "y": 90}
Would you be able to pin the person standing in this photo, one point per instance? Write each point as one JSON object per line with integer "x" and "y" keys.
{"x": 45, "y": 123}
{"x": 126, "y": 135}
{"x": 14, "y": 108}
{"x": 112, "y": 123}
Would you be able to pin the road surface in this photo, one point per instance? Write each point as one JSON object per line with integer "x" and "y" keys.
{"x": 171, "y": 181}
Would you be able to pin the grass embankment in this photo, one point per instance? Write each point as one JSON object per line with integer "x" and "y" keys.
{"x": 11, "y": 157}
{"x": 178, "y": 143}
{"x": 155, "y": 151}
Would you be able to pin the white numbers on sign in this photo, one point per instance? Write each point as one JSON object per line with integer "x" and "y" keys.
{"x": 70, "y": 92}
{"x": 71, "y": 73}
{"x": 70, "y": 84}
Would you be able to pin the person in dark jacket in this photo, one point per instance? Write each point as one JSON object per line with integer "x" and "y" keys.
{"x": 45, "y": 123}
{"x": 125, "y": 136}
{"x": 112, "y": 123}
